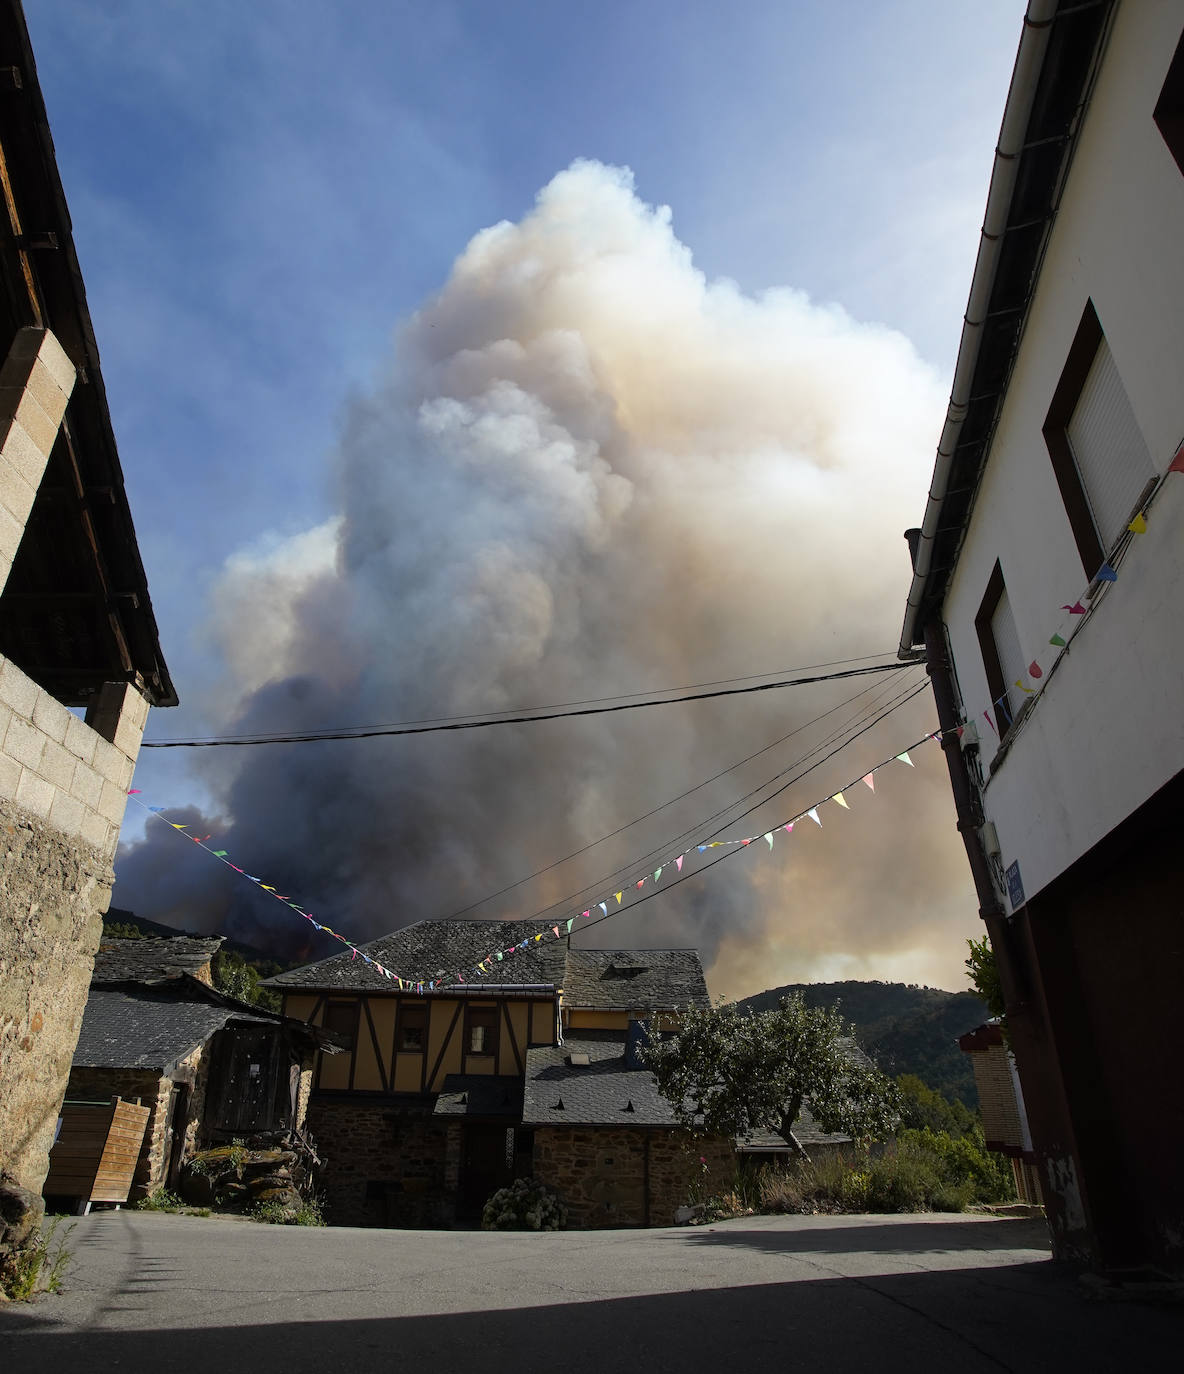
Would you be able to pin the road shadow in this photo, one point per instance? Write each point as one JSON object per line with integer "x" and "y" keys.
{"x": 879, "y": 1238}
{"x": 1023, "y": 1319}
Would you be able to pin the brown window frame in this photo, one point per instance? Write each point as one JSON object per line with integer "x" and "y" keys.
{"x": 1080, "y": 358}
{"x": 411, "y": 1012}
{"x": 1169, "y": 108}
{"x": 486, "y": 1016}
{"x": 350, "y": 1005}
{"x": 990, "y": 652}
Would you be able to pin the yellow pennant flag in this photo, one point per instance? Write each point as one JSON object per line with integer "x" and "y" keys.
{"x": 617, "y": 895}
{"x": 1138, "y": 525}
{"x": 842, "y": 801}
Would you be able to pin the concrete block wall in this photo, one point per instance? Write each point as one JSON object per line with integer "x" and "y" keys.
{"x": 36, "y": 381}
{"x": 61, "y": 770}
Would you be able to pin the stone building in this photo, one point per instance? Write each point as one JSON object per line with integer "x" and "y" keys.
{"x": 209, "y": 1068}
{"x": 448, "y": 1094}
{"x": 80, "y": 661}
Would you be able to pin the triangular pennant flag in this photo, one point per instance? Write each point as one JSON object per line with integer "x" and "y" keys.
{"x": 538, "y": 937}
{"x": 769, "y": 837}
{"x": 990, "y": 722}
{"x": 657, "y": 874}
{"x": 157, "y": 809}
{"x": 904, "y": 758}
{"x": 1076, "y": 609}
{"x": 1138, "y": 525}
{"x": 813, "y": 814}
{"x": 842, "y": 801}
{"x": 176, "y": 826}
{"x": 253, "y": 879}
{"x": 1035, "y": 670}
{"x": 618, "y": 896}
{"x": 678, "y": 862}
{"x": 220, "y": 853}
{"x": 870, "y": 780}
{"x": 586, "y": 913}
{"x": 640, "y": 882}
{"x": 134, "y": 791}
{"x": 748, "y": 841}
{"x": 788, "y": 827}
{"x": 1019, "y": 682}
{"x": 1177, "y": 463}
{"x": 1106, "y": 574}
{"x": 1058, "y": 641}
{"x": 500, "y": 955}
{"x": 267, "y": 888}
{"x": 556, "y": 930}
{"x": 571, "y": 920}
{"x": 603, "y": 906}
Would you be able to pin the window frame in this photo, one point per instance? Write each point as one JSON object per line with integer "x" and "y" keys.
{"x": 1169, "y": 108}
{"x": 999, "y": 690}
{"x": 337, "y": 1004}
{"x": 483, "y": 1016}
{"x": 407, "y": 1012}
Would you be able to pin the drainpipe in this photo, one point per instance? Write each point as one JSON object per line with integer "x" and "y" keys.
{"x": 937, "y": 665}
{"x": 1021, "y": 93}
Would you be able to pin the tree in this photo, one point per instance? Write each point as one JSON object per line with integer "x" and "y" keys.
{"x": 236, "y": 977}
{"x": 921, "y": 1107}
{"x": 984, "y": 976}
{"x": 729, "y": 1073}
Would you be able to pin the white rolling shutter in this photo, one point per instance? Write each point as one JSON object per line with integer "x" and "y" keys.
{"x": 1108, "y": 448}
{"x": 1010, "y": 655}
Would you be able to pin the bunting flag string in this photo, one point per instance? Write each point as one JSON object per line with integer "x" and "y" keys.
{"x": 1061, "y": 638}
{"x": 558, "y": 929}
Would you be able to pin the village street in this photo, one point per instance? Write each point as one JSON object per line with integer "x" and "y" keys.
{"x": 883, "y": 1293}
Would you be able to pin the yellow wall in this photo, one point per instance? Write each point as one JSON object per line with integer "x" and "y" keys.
{"x": 533, "y": 1022}
{"x": 577, "y": 1019}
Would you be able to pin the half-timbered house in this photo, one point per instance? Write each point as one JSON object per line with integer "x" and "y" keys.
{"x": 423, "y": 1118}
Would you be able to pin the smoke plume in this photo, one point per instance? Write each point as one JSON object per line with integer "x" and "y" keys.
{"x": 586, "y": 470}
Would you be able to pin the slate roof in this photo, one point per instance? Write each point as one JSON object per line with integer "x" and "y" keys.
{"x": 602, "y": 1093}
{"x": 135, "y": 1026}
{"x": 151, "y": 961}
{"x": 634, "y": 979}
{"x": 480, "y": 1095}
{"x": 430, "y": 948}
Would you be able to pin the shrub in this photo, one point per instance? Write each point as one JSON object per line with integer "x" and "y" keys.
{"x": 280, "y": 1214}
{"x": 159, "y": 1201}
{"x": 39, "y": 1265}
{"x": 524, "y": 1206}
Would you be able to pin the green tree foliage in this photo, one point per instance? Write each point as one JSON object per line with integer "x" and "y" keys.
{"x": 924, "y": 1109}
{"x": 905, "y": 1028}
{"x": 236, "y": 977}
{"x": 984, "y": 974}
{"x": 729, "y": 1073}
{"x": 122, "y": 930}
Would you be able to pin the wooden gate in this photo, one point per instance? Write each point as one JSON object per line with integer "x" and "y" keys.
{"x": 94, "y": 1157}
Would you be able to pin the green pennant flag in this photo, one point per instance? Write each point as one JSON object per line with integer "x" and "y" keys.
{"x": 1058, "y": 641}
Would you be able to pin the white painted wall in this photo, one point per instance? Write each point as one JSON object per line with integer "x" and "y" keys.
{"x": 1108, "y": 728}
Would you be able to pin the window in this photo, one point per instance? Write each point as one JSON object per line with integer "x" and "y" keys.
{"x": 1099, "y": 455}
{"x": 341, "y": 1017}
{"x": 1002, "y": 656}
{"x": 411, "y": 1027}
{"x": 1169, "y": 109}
{"x": 480, "y": 1029}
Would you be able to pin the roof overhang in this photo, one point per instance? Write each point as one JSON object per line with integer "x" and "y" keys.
{"x": 1055, "y": 67}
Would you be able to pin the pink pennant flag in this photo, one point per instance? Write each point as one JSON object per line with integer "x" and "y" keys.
{"x": 678, "y": 862}
{"x": 1076, "y": 609}
{"x": 813, "y": 814}
{"x": 556, "y": 930}
{"x": 640, "y": 882}
{"x": 788, "y": 827}
{"x": 134, "y": 791}
{"x": 586, "y": 913}
{"x": 990, "y": 722}
{"x": 1035, "y": 670}
{"x": 746, "y": 841}
{"x": 842, "y": 801}
{"x": 1177, "y": 463}
{"x": 870, "y": 780}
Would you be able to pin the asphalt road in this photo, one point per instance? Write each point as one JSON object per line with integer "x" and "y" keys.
{"x": 908, "y": 1293}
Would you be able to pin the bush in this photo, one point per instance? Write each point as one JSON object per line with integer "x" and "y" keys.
{"x": 280, "y": 1214}
{"x": 159, "y": 1201}
{"x": 524, "y": 1206}
{"x": 39, "y": 1265}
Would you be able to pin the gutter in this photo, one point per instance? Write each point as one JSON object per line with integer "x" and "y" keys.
{"x": 1020, "y": 96}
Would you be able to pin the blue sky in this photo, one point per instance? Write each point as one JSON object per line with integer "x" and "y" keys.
{"x": 262, "y": 192}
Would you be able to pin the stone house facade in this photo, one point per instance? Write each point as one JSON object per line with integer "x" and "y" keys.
{"x": 446, "y": 1095}
{"x": 80, "y": 662}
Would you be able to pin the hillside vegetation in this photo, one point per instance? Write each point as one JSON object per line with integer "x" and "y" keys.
{"x": 906, "y": 1029}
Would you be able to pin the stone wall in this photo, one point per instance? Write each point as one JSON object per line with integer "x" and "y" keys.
{"x": 63, "y": 789}
{"x": 629, "y": 1176}
{"x": 385, "y": 1165}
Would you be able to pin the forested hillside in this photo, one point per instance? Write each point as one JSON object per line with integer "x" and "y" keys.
{"x": 906, "y": 1029}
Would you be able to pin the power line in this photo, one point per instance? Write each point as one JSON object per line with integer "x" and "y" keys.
{"x": 372, "y": 732}
{"x": 664, "y": 847}
{"x": 653, "y": 811}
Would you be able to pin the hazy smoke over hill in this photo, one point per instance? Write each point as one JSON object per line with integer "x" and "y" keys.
{"x": 589, "y": 471}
